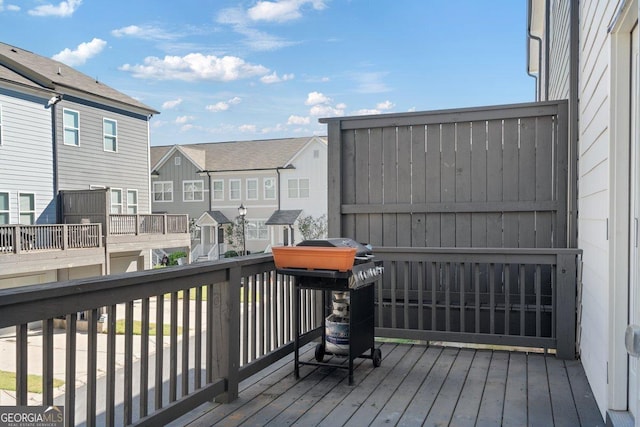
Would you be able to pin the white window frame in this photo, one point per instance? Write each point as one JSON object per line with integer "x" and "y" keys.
{"x": 112, "y": 138}
{"x": 66, "y": 128}
{"x": 6, "y": 212}
{"x": 231, "y": 189}
{"x": 163, "y": 191}
{"x": 254, "y": 190}
{"x": 132, "y": 208}
{"x": 296, "y": 192}
{"x": 194, "y": 192}
{"x": 217, "y": 193}
{"x": 177, "y": 161}
{"x": 257, "y": 229}
{"x": 266, "y": 188}
{"x": 117, "y": 207}
{"x": 31, "y": 212}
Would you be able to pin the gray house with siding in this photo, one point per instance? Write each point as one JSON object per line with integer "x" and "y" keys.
{"x": 279, "y": 181}
{"x": 64, "y": 132}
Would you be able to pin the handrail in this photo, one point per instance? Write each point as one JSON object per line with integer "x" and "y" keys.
{"x": 15, "y": 239}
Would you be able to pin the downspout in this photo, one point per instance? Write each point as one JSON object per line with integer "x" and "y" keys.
{"x": 574, "y": 120}
{"x": 210, "y": 190}
{"x": 539, "y": 40}
{"x": 547, "y": 42}
{"x": 56, "y": 183}
{"x": 278, "y": 185}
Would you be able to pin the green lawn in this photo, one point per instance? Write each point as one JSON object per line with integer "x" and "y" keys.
{"x": 34, "y": 382}
{"x": 137, "y": 328}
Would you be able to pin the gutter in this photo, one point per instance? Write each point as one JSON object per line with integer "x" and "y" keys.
{"x": 530, "y": 36}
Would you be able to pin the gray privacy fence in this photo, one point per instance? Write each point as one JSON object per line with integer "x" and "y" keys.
{"x": 445, "y": 197}
{"x": 478, "y": 177}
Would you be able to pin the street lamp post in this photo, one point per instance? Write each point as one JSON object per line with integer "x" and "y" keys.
{"x": 242, "y": 211}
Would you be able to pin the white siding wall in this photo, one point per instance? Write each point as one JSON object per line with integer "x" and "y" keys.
{"x": 26, "y": 153}
{"x": 559, "y": 49}
{"x": 307, "y": 166}
{"x": 594, "y": 190}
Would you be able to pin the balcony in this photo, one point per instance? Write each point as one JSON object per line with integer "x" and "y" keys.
{"x": 224, "y": 355}
{"x": 146, "y": 231}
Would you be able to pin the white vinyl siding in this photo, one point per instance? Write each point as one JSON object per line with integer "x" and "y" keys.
{"x": 257, "y": 230}
{"x": 4, "y": 208}
{"x": 235, "y": 191}
{"x": 27, "y": 206}
{"x": 193, "y": 191}
{"x": 163, "y": 191}
{"x": 218, "y": 189}
{"x": 252, "y": 189}
{"x": 298, "y": 188}
{"x": 116, "y": 201}
{"x": 1, "y": 124}
{"x": 110, "y": 135}
{"x": 269, "y": 188}
{"x": 71, "y": 123}
{"x": 132, "y": 202}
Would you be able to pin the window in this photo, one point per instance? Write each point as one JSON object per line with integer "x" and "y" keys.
{"x": 257, "y": 230}
{"x": 4, "y": 208}
{"x": 193, "y": 191}
{"x": 252, "y": 189}
{"x": 27, "y": 205}
{"x": 110, "y": 135}
{"x": 299, "y": 188}
{"x": 116, "y": 201}
{"x": 316, "y": 154}
{"x": 234, "y": 189}
{"x": 71, "y": 124}
{"x": 132, "y": 202}
{"x": 163, "y": 191}
{"x": 177, "y": 160}
{"x": 269, "y": 188}
{"x": 218, "y": 189}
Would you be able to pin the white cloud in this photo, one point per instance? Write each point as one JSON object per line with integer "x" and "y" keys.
{"x": 326, "y": 110}
{"x": 63, "y": 10}
{"x": 83, "y": 52}
{"x": 146, "y": 32}
{"x": 247, "y": 128}
{"x": 168, "y": 105}
{"x": 371, "y": 82}
{"x": 315, "y": 98}
{"x": 298, "y": 120}
{"x": 385, "y": 105}
{"x": 184, "y": 119}
{"x": 13, "y": 8}
{"x": 367, "y": 112}
{"x": 222, "y": 105}
{"x": 274, "y": 78}
{"x": 276, "y": 128}
{"x": 281, "y": 10}
{"x": 195, "y": 66}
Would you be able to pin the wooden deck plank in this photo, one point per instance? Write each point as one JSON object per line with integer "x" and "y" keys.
{"x": 515, "y": 400}
{"x": 538, "y": 398}
{"x": 588, "y": 411}
{"x": 398, "y": 402}
{"x": 492, "y": 404}
{"x": 564, "y": 410}
{"x": 422, "y": 402}
{"x": 371, "y": 407}
{"x": 445, "y": 404}
{"x": 415, "y": 385}
{"x": 468, "y": 406}
{"x": 346, "y": 408}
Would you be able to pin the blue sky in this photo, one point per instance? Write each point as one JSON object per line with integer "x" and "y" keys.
{"x": 222, "y": 70}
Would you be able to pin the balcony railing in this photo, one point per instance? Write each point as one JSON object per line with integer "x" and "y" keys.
{"x": 122, "y": 224}
{"x": 15, "y": 239}
{"x": 226, "y": 320}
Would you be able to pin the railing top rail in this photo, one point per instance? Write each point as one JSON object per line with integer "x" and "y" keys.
{"x": 478, "y": 251}
{"x": 60, "y": 298}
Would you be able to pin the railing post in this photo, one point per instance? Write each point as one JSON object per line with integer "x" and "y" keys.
{"x": 165, "y": 230}
{"x": 17, "y": 240}
{"x": 137, "y": 224}
{"x": 65, "y": 236}
{"x": 226, "y": 334}
{"x": 565, "y": 306}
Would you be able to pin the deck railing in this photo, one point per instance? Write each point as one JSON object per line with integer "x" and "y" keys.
{"x": 226, "y": 320}
{"x": 514, "y": 297}
{"x": 30, "y": 238}
{"x": 147, "y": 224}
{"x": 223, "y": 321}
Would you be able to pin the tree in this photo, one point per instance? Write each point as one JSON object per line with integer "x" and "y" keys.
{"x": 313, "y": 228}
{"x": 234, "y": 234}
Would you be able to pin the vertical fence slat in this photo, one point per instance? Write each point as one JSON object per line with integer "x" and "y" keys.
{"x": 22, "y": 366}
{"x": 421, "y": 284}
{"x": 462, "y": 297}
{"x": 538, "y": 301}
{"x": 111, "y": 366}
{"x": 507, "y": 299}
{"x": 128, "y": 363}
{"x": 186, "y": 302}
{"x": 92, "y": 366}
{"x": 70, "y": 370}
{"x": 197, "y": 363}
{"x": 523, "y": 290}
{"x": 47, "y": 362}
{"x": 173, "y": 348}
{"x": 159, "y": 351}
{"x": 405, "y": 286}
{"x": 144, "y": 359}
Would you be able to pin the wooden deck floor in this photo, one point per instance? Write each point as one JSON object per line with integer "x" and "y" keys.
{"x": 416, "y": 385}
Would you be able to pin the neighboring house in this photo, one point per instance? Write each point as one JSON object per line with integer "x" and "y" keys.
{"x": 278, "y": 181}
{"x": 74, "y": 182}
{"x": 587, "y": 52}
